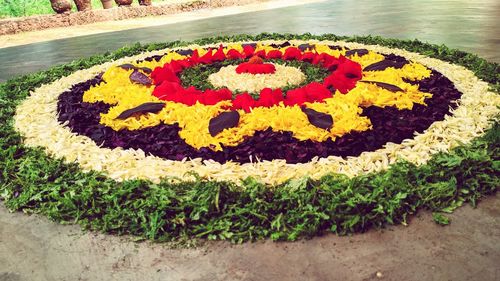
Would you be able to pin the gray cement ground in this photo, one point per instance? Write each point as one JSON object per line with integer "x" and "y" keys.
{"x": 33, "y": 248}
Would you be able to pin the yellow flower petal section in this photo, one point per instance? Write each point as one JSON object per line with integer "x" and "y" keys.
{"x": 367, "y": 59}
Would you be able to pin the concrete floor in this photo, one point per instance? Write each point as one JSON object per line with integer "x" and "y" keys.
{"x": 33, "y": 248}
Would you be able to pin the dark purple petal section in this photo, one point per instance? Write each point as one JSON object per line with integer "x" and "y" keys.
{"x": 360, "y": 52}
{"x": 339, "y": 48}
{"x": 128, "y": 66}
{"x": 186, "y": 52}
{"x": 140, "y": 78}
{"x": 152, "y": 58}
{"x": 253, "y": 45}
{"x": 305, "y": 47}
{"x": 282, "y": 45}
{"x": 389, "y": 125}
{"x": 146, "y": 70}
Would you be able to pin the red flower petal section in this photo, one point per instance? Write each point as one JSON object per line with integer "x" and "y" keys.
{"x": 308, "y": 57}
{"x": 248, "y": 51}
{"x": 265, "y": 68}
{"x": 296, "y": 97}
{"x": 317, "y": 92}
{"x": 260, "y": 53}
{"x": 268, "y": 97}
{"x": 274, "y": 54}
{"x": 195, "y": 58}
{"x": 211, "y": 97}
{"x": 207, "y": 58}
{"x": 167, "y": 91}
{"x": 292, "y": 53}
{"x": 345, "y": 76}
{"x": 325, "y": 60}
{"x": 219, "y": 55}
{"x": 338, "y": 81}
{"x": 351, "y": 69}
{"x": 243, "y": 101}
{"x": 234, "y": 55}
{"x": 162, "y": 74}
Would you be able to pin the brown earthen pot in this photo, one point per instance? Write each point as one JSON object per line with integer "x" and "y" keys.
{"x": 60, "y": 6}
{"x": 83, "y": 5}
{"x": 145, "y": 2}
{"x": 107, "y": 4}
{"x": 123, "y": 2}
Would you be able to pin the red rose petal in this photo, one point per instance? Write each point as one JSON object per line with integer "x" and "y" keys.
{"x": 248, "y": 50}
{"x": 219, "y": 55}
{"x": 350, "y": 69}
{"x": 296, "y": 97}
{"x": 260, "y": 53}
{"x": 161, "y": 74}
{"x": 324, "y": 60}
{"x": 317, "y": 92}
{"x": 308, "y": 57}
{"x": 211, "y": 97}
{"x": 268, "y": 97}
{"x": 234, "y": 55}
{"x": 166, "y": 90}
{"x": 340, "y": 82}
{"x": 274, "y": 54}
{"x": 178, "y": 65}
{"x": 195, "y": 58}
{"x": 189, "y": 96}
{"x": 292, "y": 53}
{"x": 207, "y": 58}
{"x": 243, "y": 101}
{"x": 265, "y": 68}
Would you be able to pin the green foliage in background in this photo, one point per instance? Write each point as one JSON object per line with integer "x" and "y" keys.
{"x": 21, "y": 8}
{"x": 32, "y": 182}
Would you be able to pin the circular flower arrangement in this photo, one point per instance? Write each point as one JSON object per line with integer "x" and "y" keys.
{"x": 253, "y": 137}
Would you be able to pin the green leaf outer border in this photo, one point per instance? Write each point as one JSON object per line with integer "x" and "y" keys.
{"x": 35, "y": 183}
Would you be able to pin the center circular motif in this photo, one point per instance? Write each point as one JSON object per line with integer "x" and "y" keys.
{"x": 227, "y": 77}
